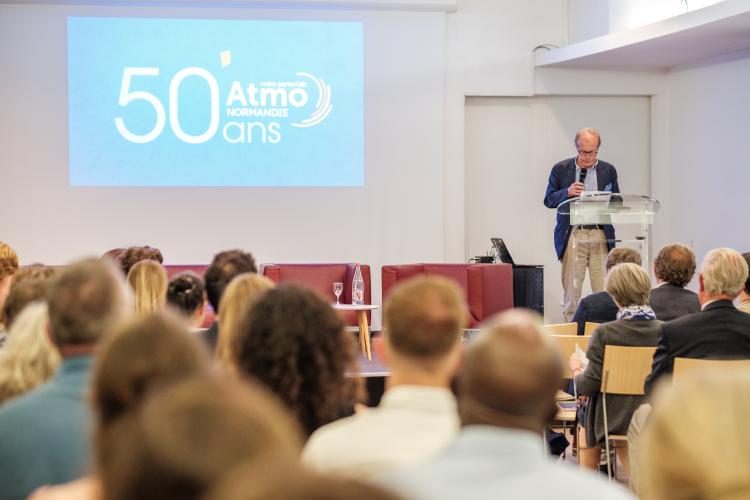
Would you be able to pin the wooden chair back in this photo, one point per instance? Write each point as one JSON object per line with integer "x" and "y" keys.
{"x": 560, "y": 329}
{"x": 626, "y": 368}
{"x": 590, "y": 327}
{"x": 682, "y": 366}
{"x": 567, "y": 346}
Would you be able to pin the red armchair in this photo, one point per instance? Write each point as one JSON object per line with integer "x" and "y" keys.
{"x": 488, "y": 287}
{"x": 320, "y": 278}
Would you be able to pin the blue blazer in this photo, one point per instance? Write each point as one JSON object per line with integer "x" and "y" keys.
{"x": 562, "y": 176}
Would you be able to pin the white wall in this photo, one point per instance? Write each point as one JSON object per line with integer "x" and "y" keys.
{"x": 396, "y": 217}
{"x": 591, "y": 18}
{"x": 709, "y": 106}
{"x": 511, "y": 145}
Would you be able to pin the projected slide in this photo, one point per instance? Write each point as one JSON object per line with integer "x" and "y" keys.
{"x": 185, "y": 102}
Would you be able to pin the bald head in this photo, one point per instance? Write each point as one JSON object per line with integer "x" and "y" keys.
{"x": 511, "y": 374}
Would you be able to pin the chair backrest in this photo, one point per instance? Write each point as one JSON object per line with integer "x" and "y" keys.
{"x": 682, "y": 366}
{"x": 625, "y": 369}
{"x": 567, "y": 346}
{"x": 560, "y": 329}
{"x": 488, "y": 288}
{"x": 589, "y": 328}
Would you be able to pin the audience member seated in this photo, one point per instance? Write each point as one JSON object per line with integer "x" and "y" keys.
{"x": 719, "y": 330}
{"x": 148, "y": 280}
{"x": 183, "y": 439}
{"x": 130, "y": 256}
{"x": 243, "y": 291}
{"x": 743, "y": 303}
{"x": 294, "y": 342}
{"x": 506, "y": 399}
{"x": 424, "y": 319}
{"x": 224, "y": 267}
{"x": 696, "y": 444}
{"x": 8, "y": 267}
{"x": 599, "y": 307}
{"x": 255, "y": 481}
{"x": 674, "y": 267}
{"x": 143, "y": 355}
{"x": 44, "y": 433}
{"x": 187, "y": 295}
{"x": 28, "y": 358}
{"x": 30, "y": 284}
{"x": 636, "y": 326}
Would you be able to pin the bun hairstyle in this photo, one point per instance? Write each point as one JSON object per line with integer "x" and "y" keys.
{"x": 186, "y": 292}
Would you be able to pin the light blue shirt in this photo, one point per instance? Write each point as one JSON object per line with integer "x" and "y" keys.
{"x": 590, "y": 183}
{"x": 488, "y": 463}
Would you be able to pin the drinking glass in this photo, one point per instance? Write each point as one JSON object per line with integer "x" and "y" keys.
{"x": 338, "y": 287}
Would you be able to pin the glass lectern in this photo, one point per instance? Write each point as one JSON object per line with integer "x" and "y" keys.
{"x": 598, "y": 209}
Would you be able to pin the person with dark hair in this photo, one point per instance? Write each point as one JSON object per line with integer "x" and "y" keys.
{"x": 293, "y": 341}
{"x": 674, "y": 267}
{"x": 44, "y": 433}
{"x": 130, "y": 256}
{"x": 599, "y": 307}
{"x": 224, "y": 267}
{"x": 743, "y": 300}
{"x": 187, "y": 294}
{"x": 506, "y": 399}
{"x": 165, "y": 354}
{"x": 424, "y": 319}
{"x": 186, "y": 437}
{"x": 29, "y": 285}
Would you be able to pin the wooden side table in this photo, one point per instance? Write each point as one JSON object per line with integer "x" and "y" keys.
{"x": 364, "y": 329}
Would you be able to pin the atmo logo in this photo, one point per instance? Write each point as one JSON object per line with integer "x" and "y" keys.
{"x": 272, "y": 104}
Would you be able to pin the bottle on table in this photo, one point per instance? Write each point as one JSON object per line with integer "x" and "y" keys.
{"x": 358, "y": 287}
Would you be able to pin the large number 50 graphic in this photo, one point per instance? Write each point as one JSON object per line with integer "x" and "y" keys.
{"x": 127, "y": 96}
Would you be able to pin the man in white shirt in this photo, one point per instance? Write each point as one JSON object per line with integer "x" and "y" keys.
{"x": 506, "y": 398}
{"x": 424, "y": 320}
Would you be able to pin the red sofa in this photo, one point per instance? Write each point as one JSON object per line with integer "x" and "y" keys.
{"x": 200, "y": 270}
{"x": 320, "y": 278}
{"x": 488, "y": 287}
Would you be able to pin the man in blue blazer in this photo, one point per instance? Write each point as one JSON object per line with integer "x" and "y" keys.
{"x": 592, "y": 242}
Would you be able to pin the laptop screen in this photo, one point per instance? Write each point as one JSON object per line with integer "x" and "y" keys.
{"x": 502, "y": 250}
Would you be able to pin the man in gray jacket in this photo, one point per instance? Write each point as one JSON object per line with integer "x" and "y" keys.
{"x": 674, "y": 267}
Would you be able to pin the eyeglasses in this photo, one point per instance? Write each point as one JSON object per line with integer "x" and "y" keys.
{"x": 588, "y": 153}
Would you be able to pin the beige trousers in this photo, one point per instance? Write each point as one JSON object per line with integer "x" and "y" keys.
{"x": 587, "y": 249}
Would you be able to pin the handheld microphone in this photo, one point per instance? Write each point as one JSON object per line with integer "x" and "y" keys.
{"x": 582, "y": 176}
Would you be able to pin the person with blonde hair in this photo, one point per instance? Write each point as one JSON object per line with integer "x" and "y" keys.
{"x": 28, "y": 358}
{"x": 241, "y": 293}
{"x": 719, "y": 330}
{"x": 8, "y": 267}
{"x": 695, "y": 444}
{"x": 599, "y": 307}
{"x": 636, "y": 326}
{"x": 148, "y": 279}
